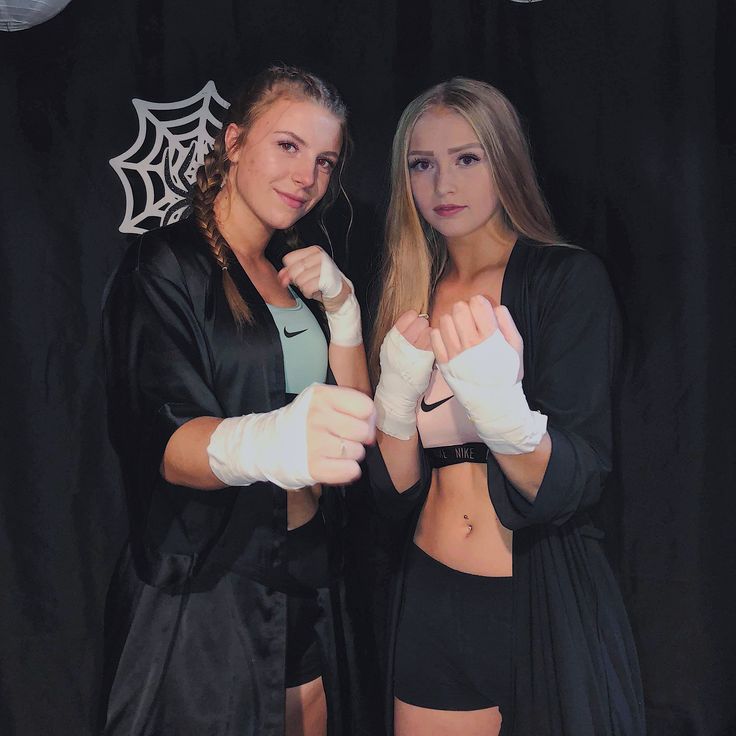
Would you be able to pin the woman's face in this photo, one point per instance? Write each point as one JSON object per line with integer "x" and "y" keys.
{"x": 283, "y": 166}
{"x": 450, "y": 174}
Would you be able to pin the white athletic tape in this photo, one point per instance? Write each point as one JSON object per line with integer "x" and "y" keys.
{"x": 405, "y": 374}
{"x": 264, "y": 447}
{"x": 484, "y": 380}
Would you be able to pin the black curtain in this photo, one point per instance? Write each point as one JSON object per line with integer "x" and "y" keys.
{"x": 630, "y": 108}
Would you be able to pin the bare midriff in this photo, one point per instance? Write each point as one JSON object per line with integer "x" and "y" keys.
{"x": 458, "y": 525}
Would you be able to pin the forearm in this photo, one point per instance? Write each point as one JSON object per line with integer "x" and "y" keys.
{"x": 346, "y": 351}
{"x": 185, "y": 461}
{"x": 401, "y": 459}
{"x": 526, "y": 471}
{"x": 350, "y": 368}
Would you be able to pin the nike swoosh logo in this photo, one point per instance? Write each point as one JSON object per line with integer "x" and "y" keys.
{"x": 429, "y": 407}
{"x": 294, "y": 334}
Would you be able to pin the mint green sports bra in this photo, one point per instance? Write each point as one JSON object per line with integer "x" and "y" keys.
{"x": 303, "y": 344}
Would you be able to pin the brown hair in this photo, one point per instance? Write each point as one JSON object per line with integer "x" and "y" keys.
{"x": 267, "y": 87}
{"x": 415, "y": 254}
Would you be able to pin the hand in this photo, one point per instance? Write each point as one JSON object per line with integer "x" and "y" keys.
{"x": 469, "y": 324}
{"x": 339, "y": 422}
{"x": 480, "y": 354}
{"x": 317, "y": 438}
{"x": 406, "y": 367}
{"x": 415, "y": 329}
{"x": 315, "y": 274}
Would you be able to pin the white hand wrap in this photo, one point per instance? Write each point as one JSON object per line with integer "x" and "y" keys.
{"x": 344, "y": 323}
{"x": 405, "y": 374}
{"x": 330, "y": 277}
{"x": 484, "y": 380}
{"x": 264, "y": 447}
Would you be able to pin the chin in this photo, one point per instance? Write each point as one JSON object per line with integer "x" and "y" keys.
{"x": 281, "y": 220}
{"x": 453, "y": 229}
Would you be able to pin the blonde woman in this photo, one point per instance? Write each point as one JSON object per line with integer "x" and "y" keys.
{"x": 494, "y": 354}
{"x": 221, "y": 614}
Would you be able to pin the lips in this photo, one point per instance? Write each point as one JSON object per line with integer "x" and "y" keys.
{"x": 448, "y": 210}
{"x": 290, "y": 200}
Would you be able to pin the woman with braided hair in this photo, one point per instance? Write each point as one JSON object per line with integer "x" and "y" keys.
{"x": 494, "y": 352}
{"x": 222, "y": 352}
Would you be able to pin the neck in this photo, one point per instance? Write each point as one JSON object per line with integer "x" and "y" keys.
{"x": 246, "y": 235}
{"x": 485, "y": 249}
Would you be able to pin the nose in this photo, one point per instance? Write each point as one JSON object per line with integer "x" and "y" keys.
{"x": 304, "y": 173}
{"x": 444, "y": 182}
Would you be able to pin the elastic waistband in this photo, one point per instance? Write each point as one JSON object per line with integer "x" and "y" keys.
{"x": 419, "y": 560}
{"x": 470, "y": 452}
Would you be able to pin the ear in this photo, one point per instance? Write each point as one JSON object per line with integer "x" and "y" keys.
{"x": 232, "y": 149}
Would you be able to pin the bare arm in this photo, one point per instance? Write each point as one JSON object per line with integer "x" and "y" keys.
{"x": 349, "y": 364}
{"x": 327, "y": 427}
{"x": 185, "y": 461}
{"x": 400, "y": 458}
{"x": 526, "y": 471}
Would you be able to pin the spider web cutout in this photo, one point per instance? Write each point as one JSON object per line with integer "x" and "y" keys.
{"x": 159, "y": 170}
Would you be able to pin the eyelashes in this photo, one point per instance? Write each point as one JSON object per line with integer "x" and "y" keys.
{"x": 326, "y": 164}
{"x": 464, "y": 160}
{"x": 419, "y": 164}
{"x": 469, "y": 159}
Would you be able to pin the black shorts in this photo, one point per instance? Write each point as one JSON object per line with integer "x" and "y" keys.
{"x": 306, "y": 549}
{"x": 453, "y": 643}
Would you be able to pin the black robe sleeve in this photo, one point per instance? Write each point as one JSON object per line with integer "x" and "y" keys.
{"x": 387, "y": 500}
{"x": 568, "y": 377}
{"x": 158, "y": 368}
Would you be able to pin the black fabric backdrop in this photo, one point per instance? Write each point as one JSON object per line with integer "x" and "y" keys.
{"x": 631, "y": 110}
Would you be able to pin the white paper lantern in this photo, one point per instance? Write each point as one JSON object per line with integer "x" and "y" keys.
{"x": 17, "y": 15}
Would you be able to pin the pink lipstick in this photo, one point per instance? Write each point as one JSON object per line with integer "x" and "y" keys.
{"x": 448, "y": 210}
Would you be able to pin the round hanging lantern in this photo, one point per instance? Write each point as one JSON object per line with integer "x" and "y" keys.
{"x": 17, "y": 15}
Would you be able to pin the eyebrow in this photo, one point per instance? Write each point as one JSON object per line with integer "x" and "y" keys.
{"x": 304, "y": 143}
{"x": 449, "y": 150}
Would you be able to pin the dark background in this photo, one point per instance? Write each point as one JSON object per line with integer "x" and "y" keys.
{"x": 630, "y": 107}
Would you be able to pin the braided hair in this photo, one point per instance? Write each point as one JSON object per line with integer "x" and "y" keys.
{"x": 267, "y": 87}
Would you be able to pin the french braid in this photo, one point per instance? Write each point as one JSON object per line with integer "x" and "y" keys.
{"x": 271, "y": 84}
{"x": 210, "y": 177}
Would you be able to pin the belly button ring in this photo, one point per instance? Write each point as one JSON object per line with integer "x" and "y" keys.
{"x": 465, "y": 516}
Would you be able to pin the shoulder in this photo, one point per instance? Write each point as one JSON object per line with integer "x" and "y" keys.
{"x": 558, "y": 269}
{"x": 175, "y": 252}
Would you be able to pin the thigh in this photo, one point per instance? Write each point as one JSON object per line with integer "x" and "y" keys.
{"x": 306, "y": 709}
{"x": 453, "y": 643}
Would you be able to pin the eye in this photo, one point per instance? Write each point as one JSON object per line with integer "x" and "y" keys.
{"x": 419, "y": 164}
{"x": 288, "y": 146}
{"x": 468, "y": 159}
{"x": 326, "y": 163}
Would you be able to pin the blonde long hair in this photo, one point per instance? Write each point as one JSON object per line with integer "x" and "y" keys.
{"x": 415, "y": 254}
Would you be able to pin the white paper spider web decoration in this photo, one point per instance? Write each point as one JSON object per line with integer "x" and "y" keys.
{"x": 158, "y": 170}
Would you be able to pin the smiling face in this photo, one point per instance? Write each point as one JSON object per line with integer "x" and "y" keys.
{"x": 450, "y": 174}
{"x": 282, "y": 168}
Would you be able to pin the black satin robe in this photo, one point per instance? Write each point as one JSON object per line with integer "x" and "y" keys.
{"x": 195, "y": 625}
{"x": 575, "y": 669}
